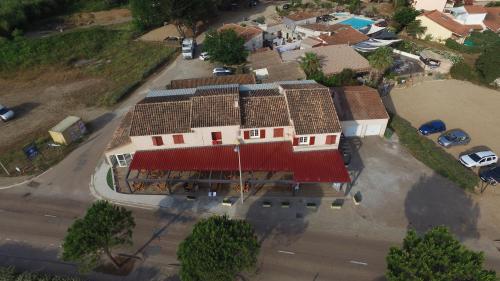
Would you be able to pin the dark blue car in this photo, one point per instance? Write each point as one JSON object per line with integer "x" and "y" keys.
{"x": 491, "y": 176}
{"x": 432, "y": 127}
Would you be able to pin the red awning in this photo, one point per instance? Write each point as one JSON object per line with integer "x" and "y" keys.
{"x": 313, "y": 166}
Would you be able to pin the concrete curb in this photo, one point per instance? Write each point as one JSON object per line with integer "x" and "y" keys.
{"x": 25, "y": 181}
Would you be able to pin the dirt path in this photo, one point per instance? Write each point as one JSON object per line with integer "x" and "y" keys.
{"x": 459, "y": 104}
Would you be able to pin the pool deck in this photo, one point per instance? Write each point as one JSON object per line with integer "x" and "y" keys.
{"x": 346, "y": 16}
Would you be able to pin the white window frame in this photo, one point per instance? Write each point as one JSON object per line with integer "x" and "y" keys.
{"x": 254, "y": 133}
{"x": 125, "y": 161}
{"x": 303, "y": 140}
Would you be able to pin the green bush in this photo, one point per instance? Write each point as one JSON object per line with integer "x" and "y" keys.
{"x": 463, "y": 71}
{"x": 488, "y": 63}
{"x": 452, "y": 44}
{"x": 433, "y": 156}
{"x": 10, "y": 274}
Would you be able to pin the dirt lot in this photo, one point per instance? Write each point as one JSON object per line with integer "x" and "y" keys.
{"x": 42, "y": 100}
{"x": 459, "y": 104}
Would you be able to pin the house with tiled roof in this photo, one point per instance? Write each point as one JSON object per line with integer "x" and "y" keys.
{"x": 428, "y": 5}
{"x": 212, "y": 80}
{"x": 288, "y": 126}
{"x": 360, "y": 110}
{"x": 492, "y": 19}
{"x": 440, "y": 26}
{"x": 253, "y": 36}
{"x": 472, "y": 15}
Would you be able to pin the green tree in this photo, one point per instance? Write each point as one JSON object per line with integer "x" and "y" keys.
{"x": 217, "y": 250}
{"x": 415, "y": 28}
{"x": 488, "y": 62}
{"x": 311, "y": 64}
{"x": 225, "y": 47}
{"x": 399, "y": 3}
{"x": 104, "y": 227}
{"x": 189, "y": 13}
{"x": 436, "y": 256}
{"x": 380, "y": 60}
{"x": 403, "y": 16}
{"x": 355, "y": 6}
{"x": 148, "y": 13}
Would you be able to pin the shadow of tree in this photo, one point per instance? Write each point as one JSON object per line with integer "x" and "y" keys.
{"x": 435, "y": 201}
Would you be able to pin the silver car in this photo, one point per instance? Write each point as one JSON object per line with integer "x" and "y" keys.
{"x": 454, "y": 137}
{"x": 6, "y": 113}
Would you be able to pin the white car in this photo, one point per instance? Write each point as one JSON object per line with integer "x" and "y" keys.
{"x": 479, "y": 159}
{"x": 204, "y": 56}
{"x": 5, "y": 113}
{"x": 222, "y": 71}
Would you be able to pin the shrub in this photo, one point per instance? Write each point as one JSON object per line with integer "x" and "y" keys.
{"x": 260, "y": 20}
{"x": 436, "y": 158}
{"x": 452, "y": 44}
{"x": 10, "y": 274}
{"x": 463, "y": 71}
{"x": 488, "y": 62}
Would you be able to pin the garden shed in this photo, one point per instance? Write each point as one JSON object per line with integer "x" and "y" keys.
{"x": 68, "y": 130}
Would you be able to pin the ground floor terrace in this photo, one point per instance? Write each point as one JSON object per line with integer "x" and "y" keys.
{"x": 266, "y": 168}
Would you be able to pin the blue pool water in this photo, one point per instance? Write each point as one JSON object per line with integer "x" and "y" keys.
{"x": 357, "y": 23}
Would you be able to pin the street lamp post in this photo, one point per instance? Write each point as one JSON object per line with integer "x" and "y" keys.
{"x": 237, "y": 149}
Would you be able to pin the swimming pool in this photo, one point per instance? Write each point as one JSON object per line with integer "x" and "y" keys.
{"x": 357, "y": 23}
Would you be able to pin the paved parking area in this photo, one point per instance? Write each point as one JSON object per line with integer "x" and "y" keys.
{"x": 459, "y": 104}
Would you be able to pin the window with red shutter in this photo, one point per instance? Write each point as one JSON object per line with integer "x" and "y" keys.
{"x": 311, "y": 140}
{"x": 178, "y": 139}
{"x": 263, "y": 133}
{"x": 278, "y": 132}
{"x": 246, "y": 134}
{"x": 331, "y": 139}
{"x": 295, "y": 141}
{"x": 216, "y": 137}
{"x": 157, "y": 140}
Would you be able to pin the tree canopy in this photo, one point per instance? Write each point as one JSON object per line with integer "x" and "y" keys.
{"x": 488, "y": 62}
{"x": 217, "y": 250}
{"x": 225, "y": 47}
{"x": 311, "y": 64}
{"x": 104, "y": 227}
{"x": 189, "y": 13}
{"x": 381, "y": 59}
{"x": 436, "y": 256}
{"x": 415, "y": 28}
{"x": 148, "y": 13}
{"x": 404, "y": 15}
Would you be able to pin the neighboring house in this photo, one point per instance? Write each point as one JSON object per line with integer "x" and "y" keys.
{"x": 429, "y": 5}
{"x": 268, "y": 67}
{"x": 254, "y": 36}
{"x": 492, "y": 19}
{"x": 310, "y": 42}
{"x": 470, "y": 15}
{"x": 360, "y": 110}
{"x": 441, "y": 27}
{"x": 333, "y": 58}
{"x": 291, "y": 21}
{"x": 271, "y": 30}
{"x": 334, "y": 34}
{"x": 288, "y": 126}
{"x": 218, "y": 80}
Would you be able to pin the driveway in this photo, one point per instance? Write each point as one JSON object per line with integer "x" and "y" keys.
{"x": 459, "y": 104}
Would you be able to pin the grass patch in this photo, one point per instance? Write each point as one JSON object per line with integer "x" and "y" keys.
{"x": 109, "y": 179}
{"x": 436, "y": 158}
{"x": 102, "y": 52}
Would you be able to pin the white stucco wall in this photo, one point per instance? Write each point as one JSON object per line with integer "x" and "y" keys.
{"x": 306, "y": 32}
{"x": 438, "y": 33}
{"x": 429, "y": 5}
{"x": 474, "y": 19}
{"x": 363, "y": 125}
{"x": 287, "y": 135}
{"x": 319, "y": 142}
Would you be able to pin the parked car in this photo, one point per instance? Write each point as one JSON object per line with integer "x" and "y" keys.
{"x": 204, "y": 56}
{"x": 286, "y": 6}
{"x": 479, "y": 159}
{"x": 222, "y": 71}
{"x": 6, "y": 113}
{"x": 454, "y": 137}
{"x": 435, "y": 126}
{"x": 491, "y": 176}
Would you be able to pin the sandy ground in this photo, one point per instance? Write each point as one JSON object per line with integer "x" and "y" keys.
{"x": 42, "y": 100}
{"x": 459, "y": 104}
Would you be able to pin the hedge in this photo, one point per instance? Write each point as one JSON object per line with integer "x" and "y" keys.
{"x": 436, "y": 158}
{"x": 10, "y": 274}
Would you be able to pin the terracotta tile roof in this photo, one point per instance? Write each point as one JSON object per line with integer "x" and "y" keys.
{"x": 447, "y": 22}
{"x": 264, "y": 59}
{"x": 264, "y": 111}
{"x": 324, "y": 27}
{"x": 312, "y": 111}
{"x": 492, "y": 19}
{"x": 346, "y": 35}
{"x": 358, "y": 103}
{"x": 301, "y": 16}
{"x": 204, "y": 81}
{"x": 161, "y": 118}
{"x": 311, "y": 41}
{"x": 214, "y": 90}
{"x": 214, "y": 111}
{"x": 247, "y": 32}
{"x": 121, "y": 134}
{"x": 260, "y": 93}
{"x": 285, "y": 71}
{"x": 334, "y": 58}
{"x": 475, "y": 9}
{"x": 302, "y": 86}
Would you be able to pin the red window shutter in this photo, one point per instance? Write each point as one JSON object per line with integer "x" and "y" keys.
{"x": 278, "y": 132}
{"x": 157, "y": 141}
{"x": 334, "y": 139}
{"x": 246, "y": 134}
{"x": 262, "y": 133}
{"x": 331, "y": 139}
{"x": 216, "y": 135}
{"x": 178, "y": 139}
{"x": 311, "y": 140}
{"x": 295, "y": 141}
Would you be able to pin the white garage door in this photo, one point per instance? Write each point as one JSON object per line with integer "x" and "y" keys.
{"x": 352, "y": 130}
{"x": 373, "y": 130}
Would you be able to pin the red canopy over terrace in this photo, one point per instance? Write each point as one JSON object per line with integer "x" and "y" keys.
{"x": 313, "y": 166}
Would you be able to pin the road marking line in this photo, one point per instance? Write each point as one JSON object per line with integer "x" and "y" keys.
{"x": 286, "y": 252}
{"x": 359, "y": 262}
{"x": 50, "y": 216}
